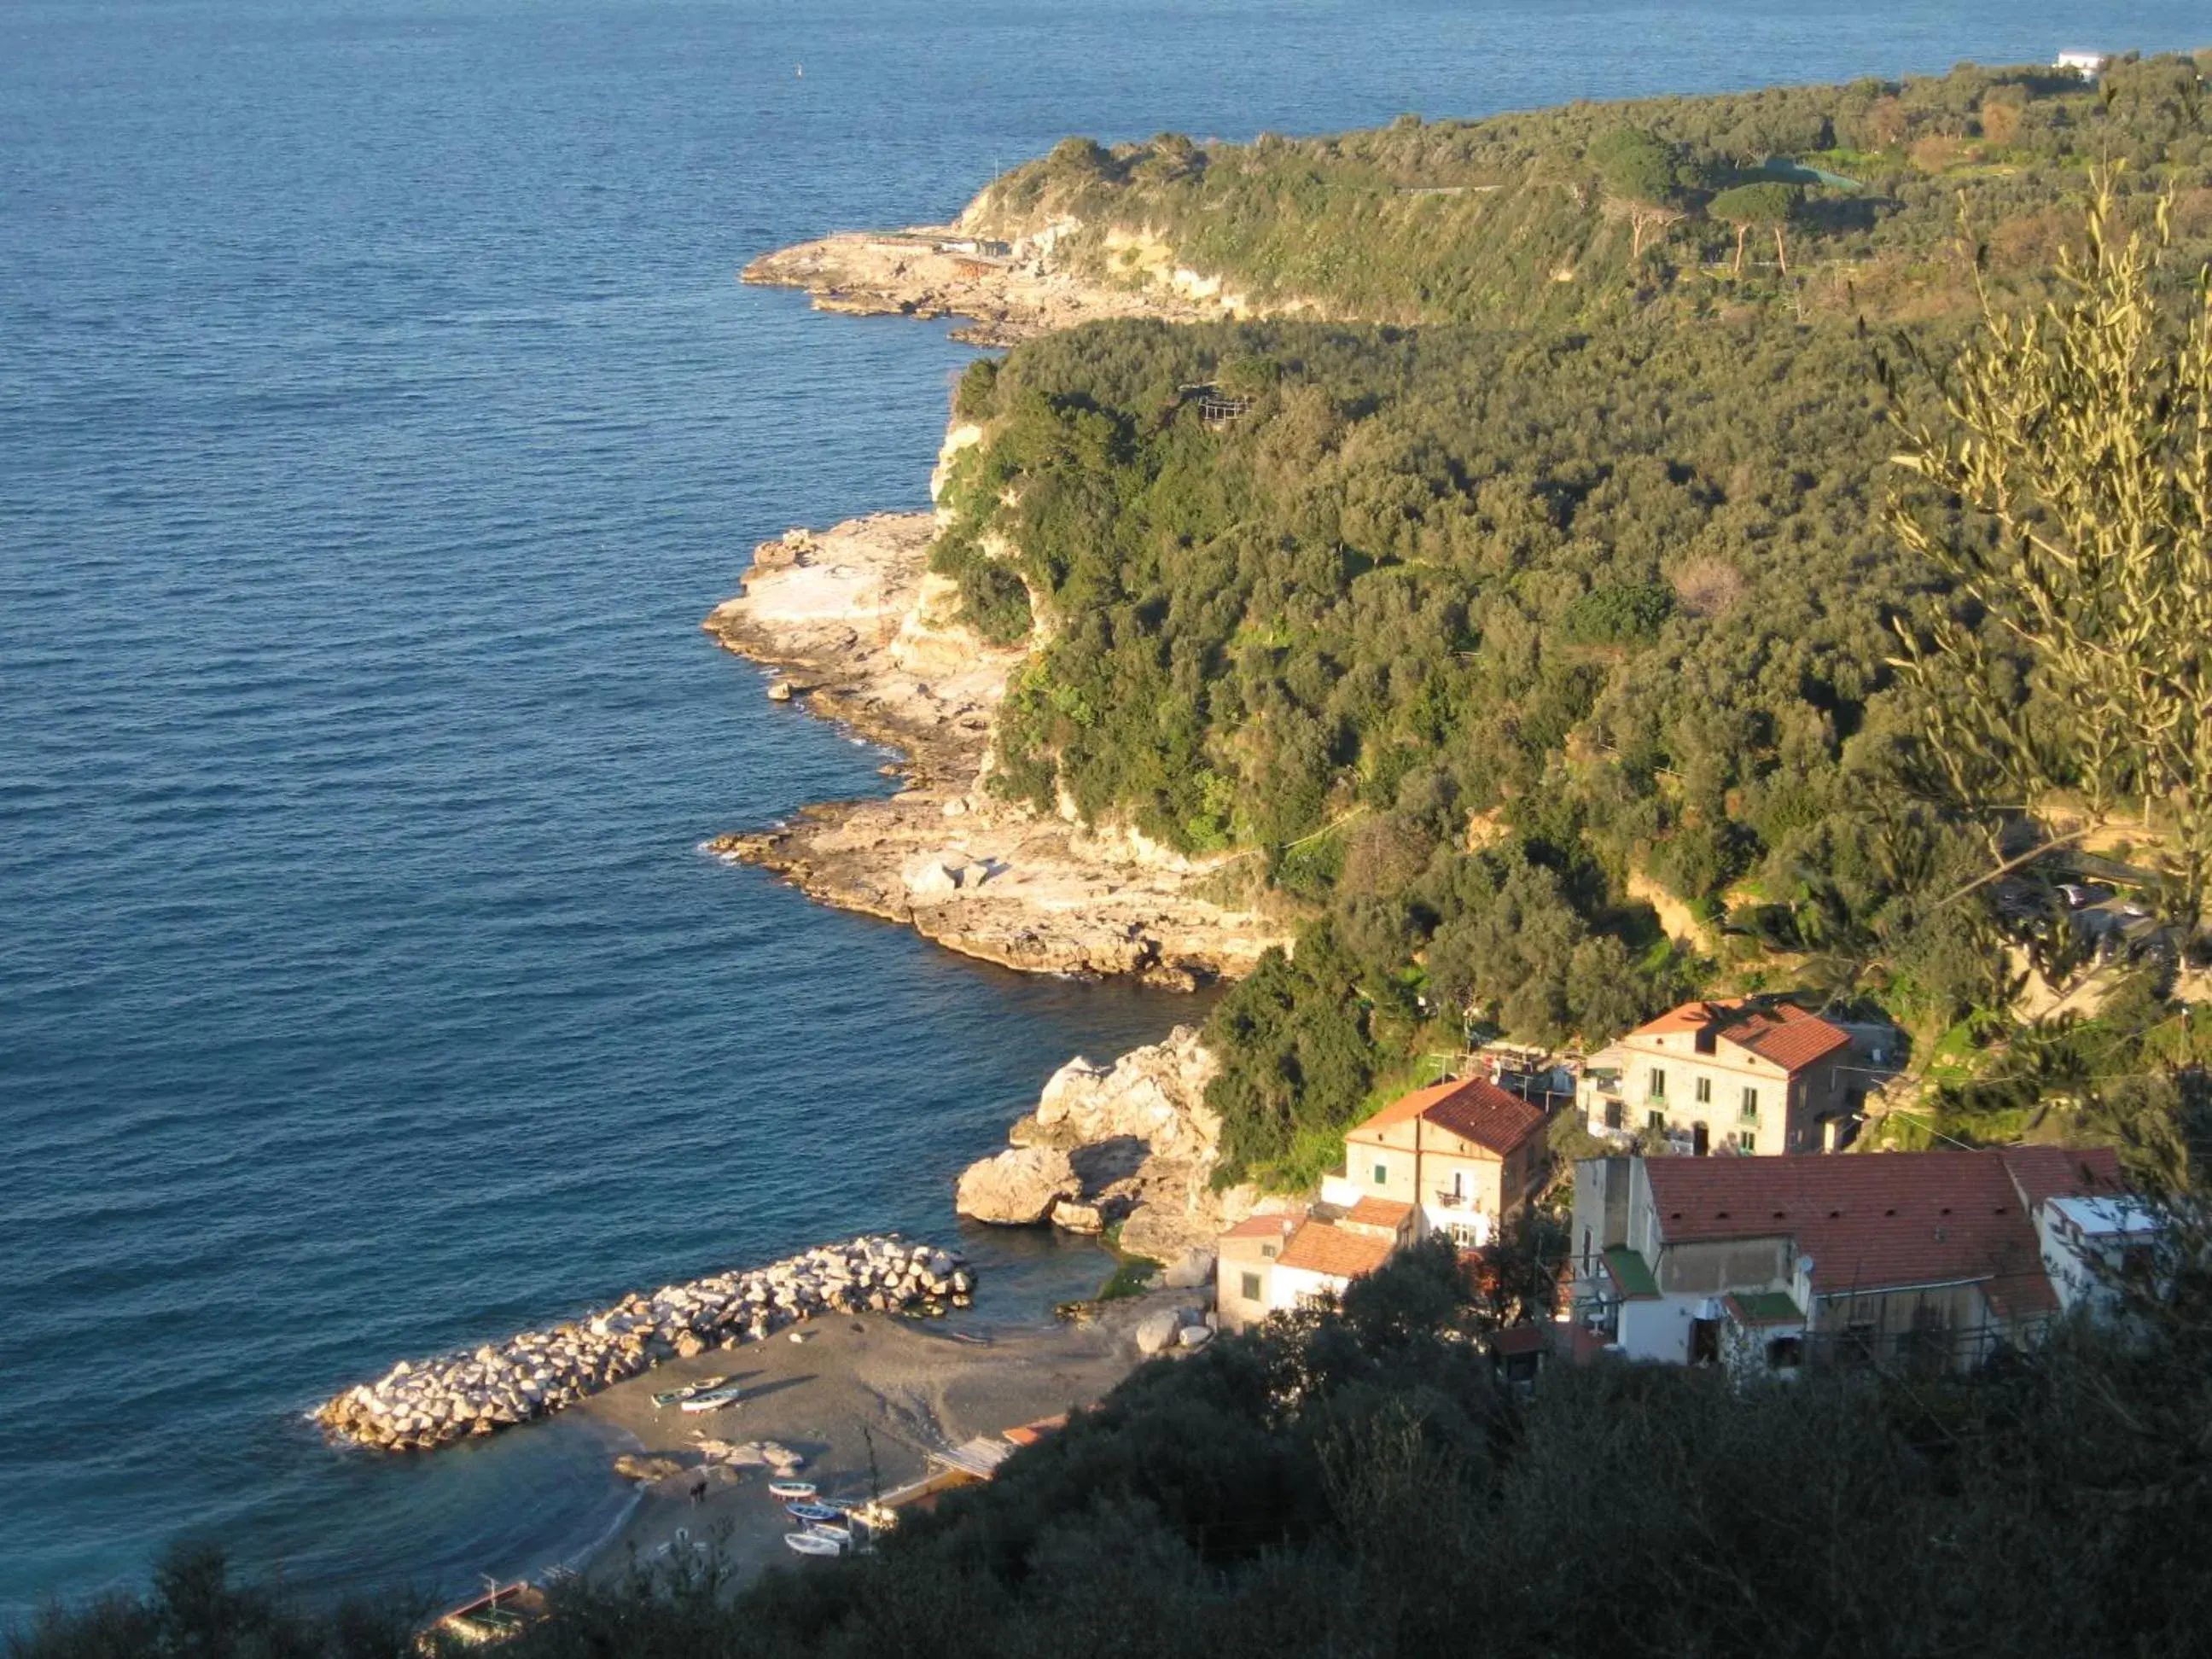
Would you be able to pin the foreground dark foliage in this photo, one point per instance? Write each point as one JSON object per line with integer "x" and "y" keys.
{"x": 195, "y": 1610}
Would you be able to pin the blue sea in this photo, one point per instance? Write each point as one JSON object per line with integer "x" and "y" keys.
{"x": 378, "y": 415}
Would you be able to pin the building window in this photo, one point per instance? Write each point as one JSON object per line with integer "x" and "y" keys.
{"x": 1705, "y": 1091}
{"x": 1268, "y": 1251}
{"x": 1656, "y": 1121}
{"x": 1382, "y": 1175}
{"x": 1748, "y": 1141}
{"x": 1612, "y": 1116}
{"x": 1658, "y": 1084}
{"x": 1751, "y": 1105}
{"x": 1251, "y": 1287}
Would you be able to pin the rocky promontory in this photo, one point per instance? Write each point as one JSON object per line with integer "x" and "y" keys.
{"x": 1010, "y": 289}
{"x": 419, "y": 1405}
{"x": 1132, "y": 1142}
{"x": 863, "y": 632}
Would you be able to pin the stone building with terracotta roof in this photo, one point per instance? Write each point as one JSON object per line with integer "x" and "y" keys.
{"x": 1743, "y": 1076}
{"x": 1464, "y": 1155}
{"x": 1930, "y": 1259}
{"x": 1273, "y": 1263}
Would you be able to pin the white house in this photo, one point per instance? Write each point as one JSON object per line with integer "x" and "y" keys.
{"x": 1277, "y": 1263}
{"x": 2089, "y": 1241}
{"x": 2088, "y": 64}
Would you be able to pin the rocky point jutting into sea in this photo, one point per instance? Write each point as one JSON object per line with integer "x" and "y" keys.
{"x": 419, "y": 1405}
{"x": 1008, "y": 290}
{"x": 863, "y": 632}
{"x": 1132, "y": 1143}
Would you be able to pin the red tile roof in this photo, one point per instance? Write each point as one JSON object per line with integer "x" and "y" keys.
{"x": 1785, "y": 1034}
{"x": 1886, "y": 1220}
{"x": 1472, "y": 1108}
{"x": 1319, "y": 1247}
{"x": 1264, "y": 1226}
{"x": 1372, "y": 1212}
{"x": 2047, "y": 1172}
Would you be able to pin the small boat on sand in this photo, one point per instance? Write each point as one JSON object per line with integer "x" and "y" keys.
{"x": 712, "y": 1400}
{"x": 811, "y": 1512}
{"x": 668, "y": 1397}
{"x": 500, "y": 1615}
{"x": 841, "y": 1536}
{"x": 812, "y": 1543}
{"x": 791, "y": 1491}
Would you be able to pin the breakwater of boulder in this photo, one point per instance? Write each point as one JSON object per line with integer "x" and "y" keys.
{"x": 419, "y": 1405}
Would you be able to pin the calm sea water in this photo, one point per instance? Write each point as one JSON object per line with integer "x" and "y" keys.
{"x": 377, "y": 417}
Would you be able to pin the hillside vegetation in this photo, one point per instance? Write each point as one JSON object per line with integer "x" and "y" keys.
{"x": 1471, "y": 644}
{"x": 1458, "y": 632}
{"x": 1591, "y": 211}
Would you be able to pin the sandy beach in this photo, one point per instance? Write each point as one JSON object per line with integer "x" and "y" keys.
{"x": 910, "y": 1384}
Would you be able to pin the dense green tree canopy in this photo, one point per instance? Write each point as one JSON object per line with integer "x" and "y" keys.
{"x": 1497, "y": 220}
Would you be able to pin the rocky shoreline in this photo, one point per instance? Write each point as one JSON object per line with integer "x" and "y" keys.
{"x": 1009, "y": 290}
{"x": 864, "y": 633}
{"x": 1131, "y": 1145}
{"x": 419, "y": 1406}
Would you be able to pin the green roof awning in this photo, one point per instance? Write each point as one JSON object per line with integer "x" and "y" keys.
{"x": 1629, "y": 1272}
{"x": 1765, "y": 1307}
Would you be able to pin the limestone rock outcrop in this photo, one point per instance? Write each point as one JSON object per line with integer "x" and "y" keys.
{"x": 941, "y": 270}
{"x": 867, "y": 635}
{"x": 1139, "y": 1144}
{"x": 1018, "y": 1188}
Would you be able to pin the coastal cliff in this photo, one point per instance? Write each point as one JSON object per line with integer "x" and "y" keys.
{"x": 865, "y": 635}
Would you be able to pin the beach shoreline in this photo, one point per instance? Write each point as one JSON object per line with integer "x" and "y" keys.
{"x": 854, "y": 1387}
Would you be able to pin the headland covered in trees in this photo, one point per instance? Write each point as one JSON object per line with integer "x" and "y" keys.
{"x": 1466, "y": 546}
{"x": 1474, "y": 551}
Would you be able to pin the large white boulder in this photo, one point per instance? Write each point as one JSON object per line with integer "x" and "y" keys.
{"x": 1190, "y": 1270}
{"x": 933, "y": 875}
{"x": 1156, "y": 1333}
{"x": 1155, "y": 1094}
{"x": 1018, "y": 1187}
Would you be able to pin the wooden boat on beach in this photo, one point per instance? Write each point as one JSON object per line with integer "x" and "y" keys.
{"x": 502, "y": 1613}
{"x": 791, "y": 1491}
{"x": 712, "y": 1400}
{"x": 807, "y": 1510}
{"x": 690, "y": 1391}
{"x": 811, "y": 1543}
